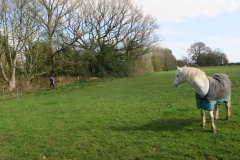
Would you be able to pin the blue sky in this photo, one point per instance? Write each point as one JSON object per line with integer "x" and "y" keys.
{"x": 184, "y": 22}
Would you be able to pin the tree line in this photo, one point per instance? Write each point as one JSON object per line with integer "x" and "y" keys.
{"x": 84, "y": 38}
{"x": 77, "y": 37}
{"x": 163, "y": 59}
{"x": 202, "y": 55}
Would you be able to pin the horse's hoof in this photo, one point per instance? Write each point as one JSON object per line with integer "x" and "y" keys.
{"x": 227, "y": 118}
{"x": 202, "y": 125}
{"x": 213, "y": 129}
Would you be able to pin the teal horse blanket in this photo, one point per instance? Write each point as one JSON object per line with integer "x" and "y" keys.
{"x": 219, "y": 92}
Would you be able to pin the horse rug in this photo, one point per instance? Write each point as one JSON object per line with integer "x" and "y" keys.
{"x": 219, "y": 92}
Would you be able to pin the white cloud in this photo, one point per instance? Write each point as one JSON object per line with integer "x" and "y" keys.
{"x": 181, "y": 10}
{"x": 169, "y": 31}
{"x": 215, "y": 38}
{"x": 225, "y": 41}
{"x": 233, "y": 41}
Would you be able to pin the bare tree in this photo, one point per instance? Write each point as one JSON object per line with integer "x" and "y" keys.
{"x": 197, "y": 51}
{"x": 105, "y": 29}
{"x": 16, "y": 29}
{"x": 55, "y": 16}
{"x": 221, "y": 57}
{"x": 30, "y": 61}
{"x": 116, "y": 30}
{"x": 202, "y": 55}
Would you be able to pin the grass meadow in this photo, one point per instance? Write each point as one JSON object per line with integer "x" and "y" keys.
{"x": 138, "y": 118}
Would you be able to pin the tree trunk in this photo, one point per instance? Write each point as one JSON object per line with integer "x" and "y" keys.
{"x": 12, "y": 85}
{"x": 12, "y": 82}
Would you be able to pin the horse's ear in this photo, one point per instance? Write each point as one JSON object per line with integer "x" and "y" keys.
{"x": 179, "y": 69}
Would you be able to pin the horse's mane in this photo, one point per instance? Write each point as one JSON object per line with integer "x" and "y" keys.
{"x": 191, "y": 73}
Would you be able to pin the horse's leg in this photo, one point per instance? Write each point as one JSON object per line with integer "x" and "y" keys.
{"x": 203, "y": 117}
{"x": 216, "y": 107}
{"x": 228, "y": 109}
{"x": 213, "y": 128}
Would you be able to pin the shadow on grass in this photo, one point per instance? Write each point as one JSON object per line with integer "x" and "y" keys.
{"x": 162, "y": 125}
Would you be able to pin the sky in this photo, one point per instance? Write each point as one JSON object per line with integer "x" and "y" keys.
{"x": 182, "y": 23}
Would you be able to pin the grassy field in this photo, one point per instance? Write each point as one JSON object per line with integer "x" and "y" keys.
{"x": 138, "y": 118}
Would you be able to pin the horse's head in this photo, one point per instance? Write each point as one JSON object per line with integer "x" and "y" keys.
{"x": 180, "y": 78}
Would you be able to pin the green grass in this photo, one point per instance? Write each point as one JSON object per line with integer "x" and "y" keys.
{"x": 143, "y": 117}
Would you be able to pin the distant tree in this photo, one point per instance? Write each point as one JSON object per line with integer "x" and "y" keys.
{"x": 170, "y": 60}
{"x": 163, "y": 60}
{"x": 220, "y": 56}
{"x": 210, "y": 59}
{"x": 158, "y": 59}
{"x": 182, "y": 62}
{"x": 202, "y": 55}
{"x": 197, "y": 53}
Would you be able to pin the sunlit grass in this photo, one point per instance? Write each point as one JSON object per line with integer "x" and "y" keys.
{"x": 143, "y": 117}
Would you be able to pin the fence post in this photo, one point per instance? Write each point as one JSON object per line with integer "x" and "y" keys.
{"x": 77, "y": 82}
{"x": 17, "y": 94}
